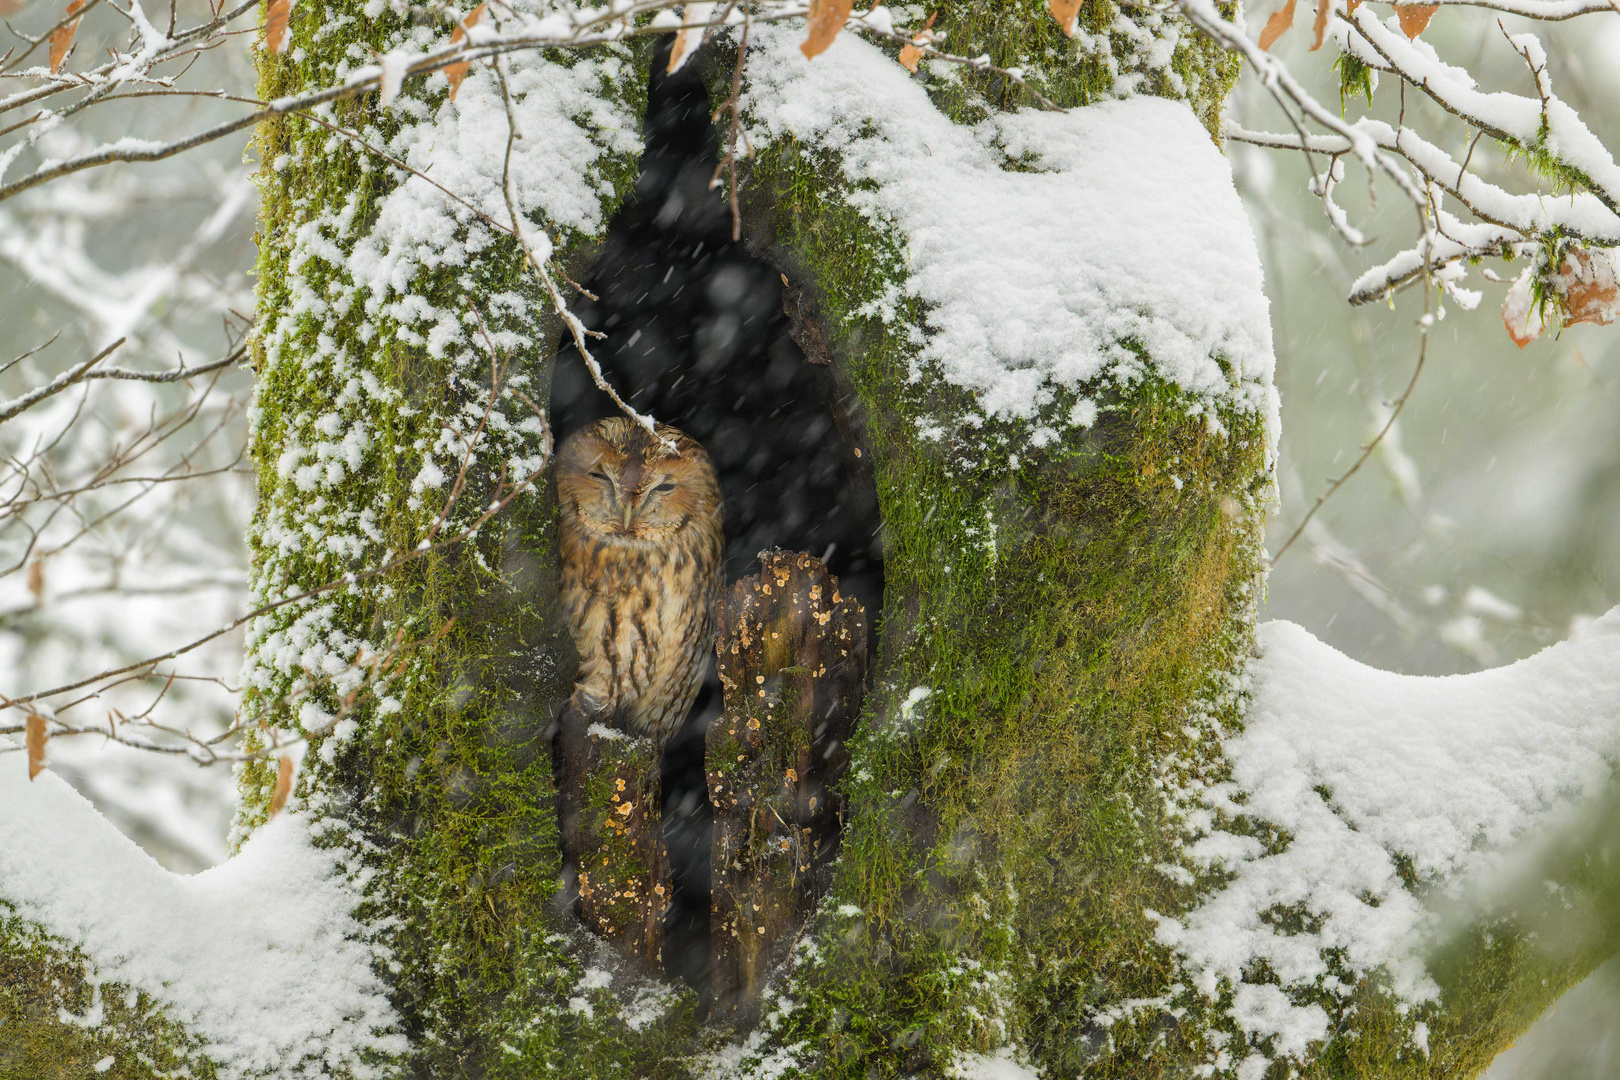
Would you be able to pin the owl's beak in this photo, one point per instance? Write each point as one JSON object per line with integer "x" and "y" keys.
{"x": 629, "y": 512}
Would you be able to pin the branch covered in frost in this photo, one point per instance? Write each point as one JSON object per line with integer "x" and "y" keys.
{"x": 207, "y": 750}
{"x": 1495, "y": 221}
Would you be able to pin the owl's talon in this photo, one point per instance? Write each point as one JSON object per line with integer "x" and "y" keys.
{"x": 586, "y": 703}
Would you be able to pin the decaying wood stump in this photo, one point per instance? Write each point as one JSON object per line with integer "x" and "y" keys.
{"x": 612, "y": 831}
{"x": 792, "y": 655}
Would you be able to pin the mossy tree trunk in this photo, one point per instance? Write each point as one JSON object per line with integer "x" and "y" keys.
{"x": 442, "y": 779}
{"x": 1004, "y": 833}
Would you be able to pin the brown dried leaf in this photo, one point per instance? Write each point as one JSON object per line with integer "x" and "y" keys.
{"x": 1278, "y": 25}
{"x": 36, "y": 580}
{"x": 1324, "y": 12}
{"x": 1067, "y": 14}
{"x": 1415, "y": 17}
{"x": 827, "y": 18}
{"x": 458, "y": 71}
{"x": 1350, "y": 7}
{"x": 11, "y": 7}
{"x": 62, "y": 37}
{"x": 911, "y": 54}
{"x": 275, "y": 25}
{"x": 690, "y": 36}
{"x": 1589, "y": 285}
{"x": 36, "y": 744}
{"x": 1519, "y": 313}
{"x": 284, "y": 777}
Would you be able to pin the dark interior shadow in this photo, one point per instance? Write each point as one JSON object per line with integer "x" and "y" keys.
{"x": 697, "y": 336}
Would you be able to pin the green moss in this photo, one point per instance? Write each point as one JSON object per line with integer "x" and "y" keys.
{"x": 443, "y": 788}
{"x": 43, "y": 982}
{"x": 1560, "y": 176}
{"x": 1355, "y": 78}
{"x": 1002, "y": 829}
{"x": 1098, "y": 63}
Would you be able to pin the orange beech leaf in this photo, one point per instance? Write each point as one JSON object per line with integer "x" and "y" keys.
{"x": 62, "y": 37}
{"x": 1350, "y": 7}
{"x": 36, "y": 580}
{"x": 1590, "y": 286}
{"x": 910, "y": 53}
{"x": 690, "y": 36}
{"x": 36, "y": 744}
{"x": 458, "y": 71}
{"x": 1415, "y": 17}
{"x": 827, "y": 17}
{"x": 1277, "y": 26}
{"x": 11, "y": 7}
{"x": 1067, "y": 14}
{"x": 275, "y": 25}
{"x": 1324, "y": 12}
{"x": 284, "y": 775}
{"x": 1519, "y": 312}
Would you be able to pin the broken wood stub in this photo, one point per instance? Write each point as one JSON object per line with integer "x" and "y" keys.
{"x": 792, "y": 664}
{"x": 612, "y": 831}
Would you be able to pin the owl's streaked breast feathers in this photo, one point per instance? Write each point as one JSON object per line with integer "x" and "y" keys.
{"x": 642, "y": 565}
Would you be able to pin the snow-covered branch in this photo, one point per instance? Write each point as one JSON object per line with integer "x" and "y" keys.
{"x": 1495, "y": 222}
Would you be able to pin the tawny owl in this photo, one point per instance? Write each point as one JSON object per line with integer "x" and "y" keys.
{"x": 641, "y": 547}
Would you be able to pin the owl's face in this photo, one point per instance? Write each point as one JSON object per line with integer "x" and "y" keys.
{"x": 620, "y": 482}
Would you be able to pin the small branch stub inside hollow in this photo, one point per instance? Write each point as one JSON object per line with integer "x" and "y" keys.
{"x": 792, "y": 663}
{"x": 611, "y": 828}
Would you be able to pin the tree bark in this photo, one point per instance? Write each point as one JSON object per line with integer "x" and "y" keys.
{"x": 609, "y": 808}
{"x": 793, "y": 664}
{"x": 1003, "y": 829}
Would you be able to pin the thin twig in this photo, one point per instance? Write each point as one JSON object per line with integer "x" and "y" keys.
{"x": 1367, "y": 451}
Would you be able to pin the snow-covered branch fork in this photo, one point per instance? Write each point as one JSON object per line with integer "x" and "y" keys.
{"x": 1556, "y": 143}
{"x": 1570, "y": 237}
{"x": 573, "y": 28}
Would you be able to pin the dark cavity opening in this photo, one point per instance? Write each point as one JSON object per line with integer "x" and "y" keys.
{"x": 697, "y": 336}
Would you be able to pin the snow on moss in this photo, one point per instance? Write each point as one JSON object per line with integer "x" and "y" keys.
{"x": 1360, "y": 776}
{"x": 362, "y": 278}
{"x": 1001, "y": 1066}
{"x": 260, "y": 957}
{"x": 1050, "y": 249}
{"x": 565, "y": 125}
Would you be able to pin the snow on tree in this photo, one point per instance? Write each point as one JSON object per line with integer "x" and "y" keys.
{"x": 1094, "y": 823}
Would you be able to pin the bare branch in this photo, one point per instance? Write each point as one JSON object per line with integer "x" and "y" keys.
{"x": 56, "y": 385}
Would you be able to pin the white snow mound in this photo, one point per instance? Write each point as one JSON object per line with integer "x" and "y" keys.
{"x": 259, "y": 956}
{"x": 1119, "y": 224}
{"x": 1361, "y": 766}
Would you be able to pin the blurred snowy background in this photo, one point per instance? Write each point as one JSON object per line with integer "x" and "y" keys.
{"x": 1483, "y": 531}
{"x": 123, "y": 503}
{"x": 1491, "y": 524}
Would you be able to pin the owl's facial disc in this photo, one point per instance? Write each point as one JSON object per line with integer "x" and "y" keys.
{"x": 618, "y": 483}
{"x": 646, "y": 508}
